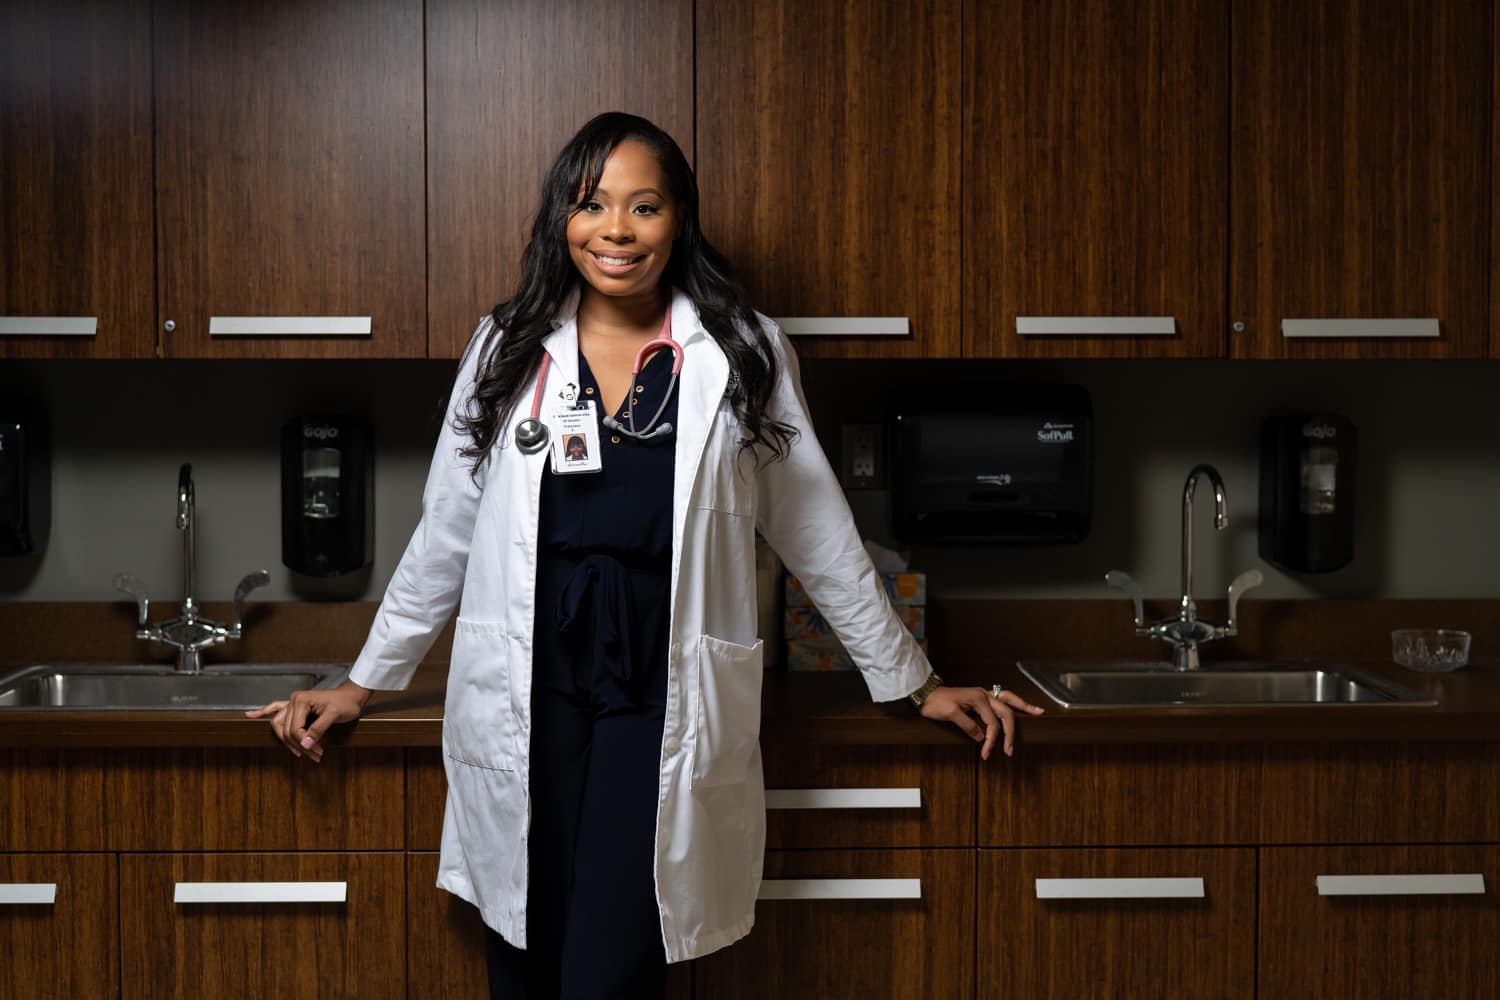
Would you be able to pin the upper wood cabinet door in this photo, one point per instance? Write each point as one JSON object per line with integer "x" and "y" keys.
{"x": 59, "y": 925}
{"x": 829, "y": 164}
{"x": 507, "y": 85}
{"x": 1409, "y": 922}
{"x": 1361, "y": 177}
{"x": 1095, "y": 173}
{"x": 75, "y": 180}
{"x": 289, "y": 178}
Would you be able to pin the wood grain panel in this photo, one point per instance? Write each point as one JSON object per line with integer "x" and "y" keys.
{"x": 1121, "y": 795}
{"x": 1118, "y": 948}
{"x": 52, "y": 800}
{"x": 1095, "y": 173}
{"x": 1361, "y": 175}
{"x": 71, "y": 948}
{"x": 75, "y": 188}
{"x": 289, "y": 173}
{"x": 350, "y": 949}
{"x": 255, "y": 800}
{"x": 426, "y": 798}
{"x": 829, "y": 162}
{"x": 1407, "y": 947}
{"x": 1393, "y": 793}
{"x": 855, "y": 949}
{"x": 944, "y": 775}
{"x": 507, "y": 85}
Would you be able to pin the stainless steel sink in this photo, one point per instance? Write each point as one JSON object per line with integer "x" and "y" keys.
{"x": 144, "y": 687}
{"x": 1158, "y": 685}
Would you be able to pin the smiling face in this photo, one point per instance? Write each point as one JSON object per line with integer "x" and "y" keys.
{"x": 620, "y": 238}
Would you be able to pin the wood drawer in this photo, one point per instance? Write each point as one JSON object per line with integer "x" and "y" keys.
{"x": 426, "y": 798}
{"x": 887, "y": 796}
{"x": 52, "y": 800}
{"x": 854, "y": 948}
{"x": 65, "y": 948}
{"x": 1114, "y": 795}
{"x": 263, "y": 949}
{"x": 1096, "y": 946}
{"x": 1379, "y": 944}
{"x": 255, "y": 800}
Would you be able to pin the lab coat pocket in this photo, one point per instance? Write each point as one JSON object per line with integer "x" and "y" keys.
{"x": 478, "y": 718}
{"x": 727, "y": 711}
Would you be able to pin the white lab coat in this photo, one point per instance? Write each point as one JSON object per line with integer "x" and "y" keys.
{"x": 481, "y": 540}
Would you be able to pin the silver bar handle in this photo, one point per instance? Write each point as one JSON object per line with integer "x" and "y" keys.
{"x": 1471, "y": 884}
{"x": 846, "y": 326}
{"x": 1096, "y": 326}
{"x": 841, "y": 888}
{"x": 28, "y": 893}
{"x": 49, "y": 326}
{"x": 1119, "y": 888}
{"x": 260, "y": 892}
{"x": 843, "y": 798}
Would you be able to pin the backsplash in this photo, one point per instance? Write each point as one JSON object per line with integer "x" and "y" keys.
{"x": 1428, "y": 489}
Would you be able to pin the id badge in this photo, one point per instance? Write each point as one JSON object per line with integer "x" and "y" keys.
{"x": 575, "y": 440}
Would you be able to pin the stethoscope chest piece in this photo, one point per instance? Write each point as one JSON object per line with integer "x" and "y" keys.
{"x": 531, "y": 435}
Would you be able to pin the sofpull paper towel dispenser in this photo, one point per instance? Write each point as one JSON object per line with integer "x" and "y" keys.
{"x": 1013, "y": 467}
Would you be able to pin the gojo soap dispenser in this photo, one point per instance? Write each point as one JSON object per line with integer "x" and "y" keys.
{"x": 1307, "y": 492}
{"x": 25, "y": 480}
{"x": 327, "y": 495}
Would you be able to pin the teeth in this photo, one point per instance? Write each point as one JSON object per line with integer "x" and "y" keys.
{"x": 615, "y": 261}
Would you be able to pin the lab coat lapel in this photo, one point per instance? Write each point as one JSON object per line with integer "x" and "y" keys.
{"x": 705, "y": 373}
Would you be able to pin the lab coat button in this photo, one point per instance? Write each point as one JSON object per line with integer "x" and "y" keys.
{"x": 670, "y": 744}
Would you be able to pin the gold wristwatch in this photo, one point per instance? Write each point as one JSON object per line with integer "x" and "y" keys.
{"x": 932, "y": 683}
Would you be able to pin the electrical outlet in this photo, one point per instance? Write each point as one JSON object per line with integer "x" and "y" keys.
{"x": 863, "y": 456}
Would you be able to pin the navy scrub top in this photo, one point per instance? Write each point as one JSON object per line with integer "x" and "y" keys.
{"x": 605, "y": 556}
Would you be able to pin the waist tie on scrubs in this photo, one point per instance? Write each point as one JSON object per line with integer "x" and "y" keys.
{"x": 599, "y": 588}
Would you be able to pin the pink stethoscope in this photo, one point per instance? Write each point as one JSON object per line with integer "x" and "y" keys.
{"x": 531, "y": 433}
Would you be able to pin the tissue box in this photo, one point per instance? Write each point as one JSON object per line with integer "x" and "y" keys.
{"x": 905, "y": 590}
{"x": 822, "y": 655}
{"x": 808, "y": 623}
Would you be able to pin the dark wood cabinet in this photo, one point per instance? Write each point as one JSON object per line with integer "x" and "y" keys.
{"x": 507, "y": 85}
{"x": 65, "y": 948}
{"x": 1361, "y": 182}
{"x": 75, "y": 180}
{"x": 828, "y": 163}
{"x": 1094, "y": 945}
{"x": 1374, "y": 940}
{"x": 262, "y": 949}
{"x": 444, "y": 937}
{"x": 1095, "y": 178}
{"x": 53, "y": 800}
{"x": 289, "y": 178}
{"x": 853, "y": 948}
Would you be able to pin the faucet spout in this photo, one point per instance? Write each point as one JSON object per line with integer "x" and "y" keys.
{"x": 1188, "y": 610}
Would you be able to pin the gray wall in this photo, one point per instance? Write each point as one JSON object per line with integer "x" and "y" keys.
{"x": 1429, "y": 470}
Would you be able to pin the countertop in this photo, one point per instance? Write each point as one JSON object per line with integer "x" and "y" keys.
{"x": 835, "y": 709}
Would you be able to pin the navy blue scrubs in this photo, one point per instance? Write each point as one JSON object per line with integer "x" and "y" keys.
{"x": 599, "y": 689}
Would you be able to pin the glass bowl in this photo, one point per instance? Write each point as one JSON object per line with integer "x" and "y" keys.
{"x": 1430, "y": 649}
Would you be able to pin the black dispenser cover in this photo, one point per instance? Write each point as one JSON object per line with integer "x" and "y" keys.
{"x": 25, "y": 480}
{"x": 995, "y": 465}
{"x": 1306, "y": 520}
{"x": 327, "y": 495}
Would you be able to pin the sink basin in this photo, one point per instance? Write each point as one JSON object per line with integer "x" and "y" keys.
{"x": 144, "y": 687}
{"x": 1158, "y": 685}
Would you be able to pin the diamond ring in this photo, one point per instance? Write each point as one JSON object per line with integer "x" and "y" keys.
{"x": 995, "y": 691}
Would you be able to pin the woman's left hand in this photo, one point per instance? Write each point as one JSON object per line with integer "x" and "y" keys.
{"x": 996, "y": 712}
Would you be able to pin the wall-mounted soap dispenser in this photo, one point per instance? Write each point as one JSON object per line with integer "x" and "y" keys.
{"x": 1307, "y": 492}
{"x": 25, "y": 480}
{"x": 327, "y": 495}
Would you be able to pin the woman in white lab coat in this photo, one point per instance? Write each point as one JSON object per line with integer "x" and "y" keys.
{"x": 605, "y": 805}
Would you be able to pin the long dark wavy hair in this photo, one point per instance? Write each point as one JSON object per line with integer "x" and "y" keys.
{"x": 512, "y": 349}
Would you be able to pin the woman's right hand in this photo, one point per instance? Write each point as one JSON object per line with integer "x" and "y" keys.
{"x": 328, "y": 705}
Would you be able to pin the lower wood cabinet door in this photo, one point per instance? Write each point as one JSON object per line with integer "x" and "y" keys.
{"x": 445, "y": 942}
{"x": 58, "y": 930}
{"x": 1158, "y": 922}
{"x": 1380, "y": 921}
{"x": 262, "y": 925}
{"x": 829, "y": 933}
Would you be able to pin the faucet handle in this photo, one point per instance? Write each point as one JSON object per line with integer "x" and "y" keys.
{"x": 1121, "y": 580}
{"x": 1247, "y": 580}
{"x": 127, "y": 584}
{"x": 252, "y": 580}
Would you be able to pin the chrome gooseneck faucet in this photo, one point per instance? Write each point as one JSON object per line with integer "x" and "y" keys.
{"x": 1186, "y": 632}
{"x": 188, "y": 633}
